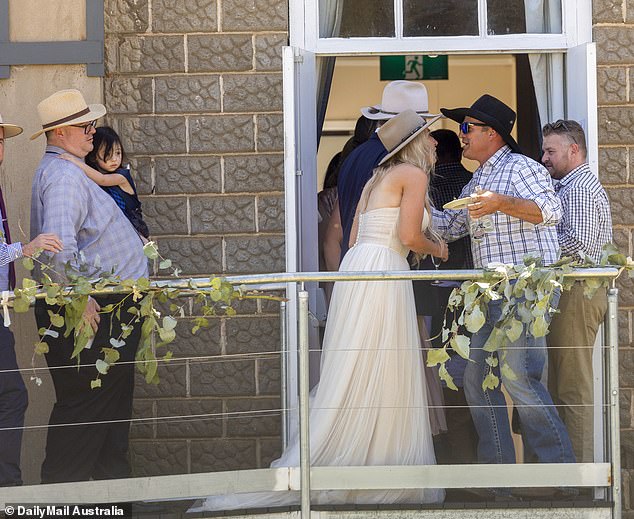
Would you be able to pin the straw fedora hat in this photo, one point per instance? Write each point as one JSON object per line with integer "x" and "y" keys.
{"x": 399, "y": 96}
{"x": 491, "y": 111}
{"x": 399, "y": 131}
{"x": 65, "y": 108}
{"x": 10, "y": 130}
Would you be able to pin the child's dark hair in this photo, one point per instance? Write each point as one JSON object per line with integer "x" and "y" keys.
{"x": 106, "y": 137}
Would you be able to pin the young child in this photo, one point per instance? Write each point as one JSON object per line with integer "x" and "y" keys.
{"x": 104, "y": 166}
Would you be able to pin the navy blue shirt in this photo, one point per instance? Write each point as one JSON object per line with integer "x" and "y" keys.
{"x": 355, "y": 172}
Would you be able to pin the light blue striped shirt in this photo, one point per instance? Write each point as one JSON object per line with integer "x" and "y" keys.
{"x": 97, "y": 236}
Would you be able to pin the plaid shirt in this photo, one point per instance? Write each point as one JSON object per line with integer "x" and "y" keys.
{"x": 586, "y": 224}
{"x": 515, "y": 175}
{"x": 66, "y": 202}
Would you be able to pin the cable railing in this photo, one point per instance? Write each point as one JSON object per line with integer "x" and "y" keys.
{"x": 603, "y": 473}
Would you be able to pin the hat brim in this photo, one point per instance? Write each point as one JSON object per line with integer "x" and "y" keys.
{"x": 458, "y": 115}
{"x": 375, "y": 113}
{"x": 410, "y": 139}
{"x": 95, "y": 111}
{"x": 10, "y": 130}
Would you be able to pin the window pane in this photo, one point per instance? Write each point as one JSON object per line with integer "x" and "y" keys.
{"x": 440, "y": 17}
{"x": 359, "y": 18}
{"x": 524, "y": 16}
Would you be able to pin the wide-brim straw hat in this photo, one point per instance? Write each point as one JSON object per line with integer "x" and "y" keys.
{"x": 399, "y": 96}
{"x": 66, "y": 108}
{"x": 399, "y": 131}
{"x": 492, "y": 112}
{"x": 10, "y": 130}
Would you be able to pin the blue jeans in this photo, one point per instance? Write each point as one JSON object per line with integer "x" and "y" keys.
{"x": 542, "y": 429}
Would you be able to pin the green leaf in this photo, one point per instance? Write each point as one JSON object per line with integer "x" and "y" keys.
{"x": 496, "y": 340}
{"x": 539, "y": 328}
{"x": 590, "y": 287}
{"x": 460, "y": 344}
{"x": 21, "y": 304}
{"x": 216, "y": 283}
{"x": 27, "y": 263}
{"x": 165, "y": 264}
{"x": 110, "y": 355}
{"x": 169, "y": 323}
{"x": 102, "y": 366}
{"x": 166, "y": 335}
{"x": 56, "y": 319}
{"x": 96, "y": 383}
{"x": 447, "y": 378}
{"x": 150, "y": 250}
{"x": 474, "y": 320}
{"x": 230, "y": 311}
{"x": 514, "y": 329}
{"x": 492, "y": 361}
{"x": 41, "y": 348}
{"x": 437, "y": 356}
{"x": 28, "y": 283}
{"x": 116, "y": 342}
{"x": 490, "y": 382}
{"x": 168, "y": 356}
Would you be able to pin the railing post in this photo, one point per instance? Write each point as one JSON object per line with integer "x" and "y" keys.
{"x": 612, "y": 334}
{"x": 304, "y": 439}
{"x": 283, "y": 370}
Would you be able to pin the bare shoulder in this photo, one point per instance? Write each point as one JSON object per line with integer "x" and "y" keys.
{"x": 409, "y": 174}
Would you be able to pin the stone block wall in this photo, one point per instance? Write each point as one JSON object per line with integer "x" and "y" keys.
{"x": 614, "y": 36}
{"x": 194, "y": 88}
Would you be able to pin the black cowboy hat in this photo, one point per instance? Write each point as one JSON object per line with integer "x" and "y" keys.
{"x": 491, "y": 111}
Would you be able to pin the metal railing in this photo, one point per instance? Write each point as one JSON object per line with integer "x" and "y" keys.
{"x": 605, "y": 473}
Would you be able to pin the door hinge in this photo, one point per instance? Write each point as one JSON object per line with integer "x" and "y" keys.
{"x": 298, "y": 173}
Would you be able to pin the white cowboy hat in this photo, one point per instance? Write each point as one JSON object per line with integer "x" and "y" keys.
{"x": 399, "y": 131}
{"x": 65, "y": 108}
{"x": 10, "y": 130}
{"x": 397, "y": 97}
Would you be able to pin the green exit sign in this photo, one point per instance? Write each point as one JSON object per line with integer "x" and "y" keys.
{"x": 414, "y": 67}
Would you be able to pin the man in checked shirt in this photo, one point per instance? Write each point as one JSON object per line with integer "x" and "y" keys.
{"x": 517, "y": 194}
{"x": 97, "y": 238}
{"x": 585, "y": 227}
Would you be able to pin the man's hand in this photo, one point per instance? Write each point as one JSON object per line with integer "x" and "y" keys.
{"x": 91, "y": 316}
{"x": 485, "y": 202}
{"x": 47, "y": 242}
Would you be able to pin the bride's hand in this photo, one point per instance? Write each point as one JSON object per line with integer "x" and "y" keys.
{"x": 443, "y": 251}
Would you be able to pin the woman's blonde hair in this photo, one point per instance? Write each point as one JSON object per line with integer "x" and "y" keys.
{"x": 419, "y": 152}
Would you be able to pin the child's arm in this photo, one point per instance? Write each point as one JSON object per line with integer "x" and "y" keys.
{"x": 111, "y": 179}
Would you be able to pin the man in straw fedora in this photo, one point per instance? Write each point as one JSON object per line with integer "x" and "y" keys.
{"x": 516, "y": 193}
{"x": 13, "y": 395}
{"x": 97, "y": 237}
{"x": 357, "y": 169}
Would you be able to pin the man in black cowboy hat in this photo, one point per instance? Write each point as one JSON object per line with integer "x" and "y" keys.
{"x": 516, "y": 196}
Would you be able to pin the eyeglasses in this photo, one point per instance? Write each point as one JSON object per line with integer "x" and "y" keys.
{"x": 86, "y": 126}
{"x": 464, "y": 127}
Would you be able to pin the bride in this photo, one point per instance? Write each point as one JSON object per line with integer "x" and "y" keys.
{"x": 370, "y": 406}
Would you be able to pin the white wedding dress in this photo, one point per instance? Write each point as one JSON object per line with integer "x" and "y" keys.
{"x": 370, "y": 406}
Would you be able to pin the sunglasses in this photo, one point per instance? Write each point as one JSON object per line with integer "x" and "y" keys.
{"x": 464, "y": 127}
{"x": 86, "y": 126}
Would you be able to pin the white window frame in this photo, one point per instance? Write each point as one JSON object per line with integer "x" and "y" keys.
{"x": 576, "y": 30}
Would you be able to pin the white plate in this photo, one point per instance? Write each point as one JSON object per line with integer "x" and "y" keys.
{"x": 459, "y": 203}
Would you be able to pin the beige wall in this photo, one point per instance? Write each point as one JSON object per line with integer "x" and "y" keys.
{"x": 35, "y": 20}
{"x": 356, "y": 83}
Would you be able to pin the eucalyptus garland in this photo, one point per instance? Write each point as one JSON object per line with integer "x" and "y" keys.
{"x": 525, "y": 293}
{"x": 157, "y": 330}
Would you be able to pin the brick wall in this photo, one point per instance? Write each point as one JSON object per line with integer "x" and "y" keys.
{"x": 614, "y": 35}
{"x": 195, "y": 90}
